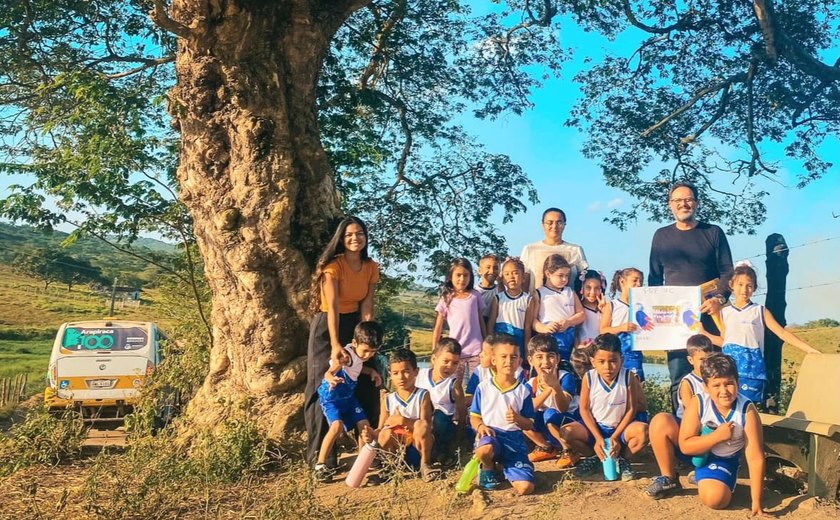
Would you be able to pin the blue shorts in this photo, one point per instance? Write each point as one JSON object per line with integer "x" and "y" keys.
{"x": 348, "y": 411}
{"x": 633, "y": 359}
{"x": 443, "y": 429}
{"x": 565, "y": 343}
{"x": 542, "y": 418}
{"x": 752, "y": 389}
{"x": 510, "y": 451}
{"x": 642, "y": 417}
{"x": 606, "y": 432}
{"x": 722, "y": 469}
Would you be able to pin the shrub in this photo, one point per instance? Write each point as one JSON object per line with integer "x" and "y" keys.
{"x": 42, "y": 438}
{"x": 658, "y": 393}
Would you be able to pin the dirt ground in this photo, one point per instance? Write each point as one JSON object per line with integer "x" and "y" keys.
{"x": 59, "y": 492}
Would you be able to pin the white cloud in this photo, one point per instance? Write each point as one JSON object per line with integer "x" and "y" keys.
{"x": 614, "y": 203}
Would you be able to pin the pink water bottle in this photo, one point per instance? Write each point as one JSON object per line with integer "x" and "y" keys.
{"x": 360, "y": 467}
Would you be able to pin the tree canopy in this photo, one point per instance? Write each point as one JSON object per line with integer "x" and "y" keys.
{"x": 710, "y": 89}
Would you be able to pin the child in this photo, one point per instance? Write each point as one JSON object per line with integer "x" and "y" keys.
{"x": 484, "y": 371}
{"x": 559, "y": 308}
{"x": 512, "y": 310}
{"x": 665, "y": 427}
{"x": 501, "y": 409}
{"x": 581, "y": 361}
{"x": 607, "y": 408}
{"x": 447, "y": 394}
{"x": 743, "y": 334}
{"x": 488, "y": 273}
{"x": 736, "y": 428}
{"x": 336, "y": 394}
{"x": 555, "y": 402}
{"x": 461, "y": 306}
{"x": 615, "y": 318}
{"x": 406, "y": 418}
{"x": 590, "y": 287}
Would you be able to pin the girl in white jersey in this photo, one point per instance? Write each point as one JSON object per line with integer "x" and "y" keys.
{"x": 743, "y": 333}
{"x": 590, "y": 286}
{"x": 735, "y": 427}
{"x": 512, "y": 310}
{"x": 607, "y": 408}
{"x": 615, "y": 317}
{"x": 558, "y": 308}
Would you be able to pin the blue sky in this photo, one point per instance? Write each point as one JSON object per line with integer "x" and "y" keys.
{"x": 550, "y": 153}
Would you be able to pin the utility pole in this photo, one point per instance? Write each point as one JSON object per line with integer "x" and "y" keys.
{"x": 113, "y": 296}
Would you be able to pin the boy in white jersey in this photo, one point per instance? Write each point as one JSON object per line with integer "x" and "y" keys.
{"x": 501, "y": 409}
{"x": 406, "y": 418}
{"x": 607, "y": 408}
{"x": 336, "y": 392}
{"x": 555, "y": 402}
{"x": 735, "y": 427}
{"x": 488, "y": 273}
{"x": 665, "y": 427}
{"x": 447, "y": 395}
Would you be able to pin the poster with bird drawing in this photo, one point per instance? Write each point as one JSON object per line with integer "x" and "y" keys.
{"x": 665, "y": 317}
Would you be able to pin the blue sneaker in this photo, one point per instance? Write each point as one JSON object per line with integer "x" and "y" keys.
{"x": 488, "y": 480}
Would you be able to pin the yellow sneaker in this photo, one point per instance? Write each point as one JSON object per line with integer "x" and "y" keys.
{"x": 568, "y": 459}
{"x": 540, "y": 454}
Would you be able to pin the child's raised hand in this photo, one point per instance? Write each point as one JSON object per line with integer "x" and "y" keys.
{"x": 601, "y": 301}
{"x": 511, "y": 415}
{"x": 724, "y": 431}
{"x": 550, "y": 379}
{"x": 333, "y": 380}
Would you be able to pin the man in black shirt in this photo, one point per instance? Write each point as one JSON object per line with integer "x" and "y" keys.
{"x": 689, "y": 252}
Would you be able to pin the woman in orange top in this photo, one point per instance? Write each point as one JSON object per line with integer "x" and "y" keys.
{"x": 342, "y": 296}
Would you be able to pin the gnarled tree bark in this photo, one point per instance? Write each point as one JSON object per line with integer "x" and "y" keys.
{"x": 259, "y": 187}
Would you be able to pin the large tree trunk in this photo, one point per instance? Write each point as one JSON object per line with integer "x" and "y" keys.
{"x": 260, "y": 190}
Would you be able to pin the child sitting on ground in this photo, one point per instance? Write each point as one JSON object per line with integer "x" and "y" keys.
{"x": 406, "y": 418}
{"x": 336, "y": 394}
{"x": 665, "y": 427}
{"x": 734, "y": 427}
{"x": 447, "y": 393}
{"x": 501, "y": 409}
{"x": 555, "y": 402}
{"x": 608, "y": 409}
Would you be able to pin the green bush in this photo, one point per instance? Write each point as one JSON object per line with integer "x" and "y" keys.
{"x": 27, "y": 333}
{"x": 42, "y": 438}
{"x": 658, "y": 393}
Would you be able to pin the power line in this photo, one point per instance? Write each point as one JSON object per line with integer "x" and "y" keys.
{"x": 803, "y": 287}
{"x": 794, "y": 247}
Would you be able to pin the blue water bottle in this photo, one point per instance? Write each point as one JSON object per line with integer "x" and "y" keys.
{"x": 610, "y": 466}
{"x": 700, "y": 460}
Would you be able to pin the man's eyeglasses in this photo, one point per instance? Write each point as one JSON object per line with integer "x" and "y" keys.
{"x": 689, "y": 200}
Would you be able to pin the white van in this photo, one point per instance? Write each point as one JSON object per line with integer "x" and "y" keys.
{"x": 96, "y": 365}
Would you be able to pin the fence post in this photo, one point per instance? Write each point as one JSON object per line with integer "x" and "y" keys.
{"x": 777, "y": 271}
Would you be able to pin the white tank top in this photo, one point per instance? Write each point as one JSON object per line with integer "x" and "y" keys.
{"x": 608, "y": 404}
{"x": 512, "y": 310}
{"x": 710, "y": 416}
{"x": 697, "y": 388}
{"x": 551, "y": 401}
{"x": 744, "y": 327}
{"x": 410, "y": 408}
{"x": 355, "y": 367}
{"x": 620, "y": 313}
{"x": 441, "y": 393}
{"x": 554, "y": 305}
{"x": 591, "y": 326}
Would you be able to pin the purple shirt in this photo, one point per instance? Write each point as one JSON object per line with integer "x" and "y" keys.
{"x": 462, "y": 315}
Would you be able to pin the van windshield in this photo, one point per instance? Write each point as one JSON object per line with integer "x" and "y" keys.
{"x": 104, "y": 339}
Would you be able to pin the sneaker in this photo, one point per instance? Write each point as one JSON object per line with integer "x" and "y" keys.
{"x": 624, "y": 468}
{"x": 540, "y": 454}
{"x": 692, "y": 479}
{"x": 488, "y": 480}
{"x": 587, "y": 466}
{"x": 568, "y": 459}
{"x": 323, "y": 473}
{"x": 662, "y": 486}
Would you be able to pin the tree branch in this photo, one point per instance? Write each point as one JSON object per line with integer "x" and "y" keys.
{"x": 721, "y": 110}
{"x": 762, "y": 13}
{"x": 162, "y": 19}
{"x": 737, "y": 78}
{"x": 680, "y": 24}
{"x": 148, "y": 64}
